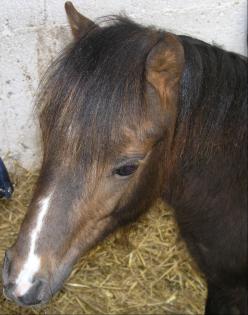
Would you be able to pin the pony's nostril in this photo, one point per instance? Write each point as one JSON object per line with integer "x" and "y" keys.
{"x": 6, "y": 259}
{"x": 6, "y": 267}
{"x": 8, "y": 254}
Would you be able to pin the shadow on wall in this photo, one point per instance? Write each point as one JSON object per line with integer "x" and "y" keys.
{"x": 51, "y": 41}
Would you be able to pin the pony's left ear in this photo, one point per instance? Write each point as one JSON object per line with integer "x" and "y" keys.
{"x": 79, "y": 23}
{"x": 164, "y": 66}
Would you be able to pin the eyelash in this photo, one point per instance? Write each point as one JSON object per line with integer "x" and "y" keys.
{"x": 127, "y": 169}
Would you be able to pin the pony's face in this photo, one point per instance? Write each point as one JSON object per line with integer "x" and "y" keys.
{"x": 105, "y": 135}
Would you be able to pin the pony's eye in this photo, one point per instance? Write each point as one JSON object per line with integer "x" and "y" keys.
{"x": 126, "y": 170}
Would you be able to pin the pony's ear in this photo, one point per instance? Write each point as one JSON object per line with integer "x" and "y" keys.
{"x": 79, "y": 23}
{"x": 164, "y": 66}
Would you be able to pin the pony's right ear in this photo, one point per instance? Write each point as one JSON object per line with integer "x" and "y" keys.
{"x": 164, "y": 68}
{"x": 165, "y": 64}
{"x": 79, "y": 23}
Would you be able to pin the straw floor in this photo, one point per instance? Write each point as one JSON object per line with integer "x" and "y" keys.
{"x": 143, "y": 269}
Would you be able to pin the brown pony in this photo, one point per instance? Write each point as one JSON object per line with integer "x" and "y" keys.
{"x": 129, "y": 114}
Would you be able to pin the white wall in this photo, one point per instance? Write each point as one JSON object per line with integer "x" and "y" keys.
{"x": 33, "y": 31}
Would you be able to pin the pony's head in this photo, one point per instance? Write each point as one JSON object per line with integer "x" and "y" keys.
{"x": 107, "y": 115}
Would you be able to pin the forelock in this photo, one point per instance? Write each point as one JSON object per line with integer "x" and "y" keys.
{"x": 94, "y": 88}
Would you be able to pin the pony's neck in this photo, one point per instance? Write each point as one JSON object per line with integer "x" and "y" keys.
{"x": 213, "y": 94}
{"x": 212, "y": 112}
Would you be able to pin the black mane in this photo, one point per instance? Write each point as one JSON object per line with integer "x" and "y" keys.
{"x": 213, "y": 97}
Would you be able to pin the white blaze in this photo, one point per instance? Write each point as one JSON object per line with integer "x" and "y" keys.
{"x": 32, "y": 263}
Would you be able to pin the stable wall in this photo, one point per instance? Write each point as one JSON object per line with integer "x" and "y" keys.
{"x": 32, "y": 32}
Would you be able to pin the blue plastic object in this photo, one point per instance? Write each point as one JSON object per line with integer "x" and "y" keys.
{"x": 6, "y": 187}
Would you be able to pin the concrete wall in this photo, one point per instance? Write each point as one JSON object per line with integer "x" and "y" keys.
{"x": 33, "y": 31}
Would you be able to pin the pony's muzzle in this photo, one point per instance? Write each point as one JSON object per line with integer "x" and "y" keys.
{"x": 38, "y": 289}
{"x": 32, "y": 297}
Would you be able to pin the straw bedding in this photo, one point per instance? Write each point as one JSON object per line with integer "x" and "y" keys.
{"x": 142, "y": 269}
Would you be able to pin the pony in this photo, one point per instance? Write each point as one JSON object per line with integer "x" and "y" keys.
{"x": 129, "y": 114}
